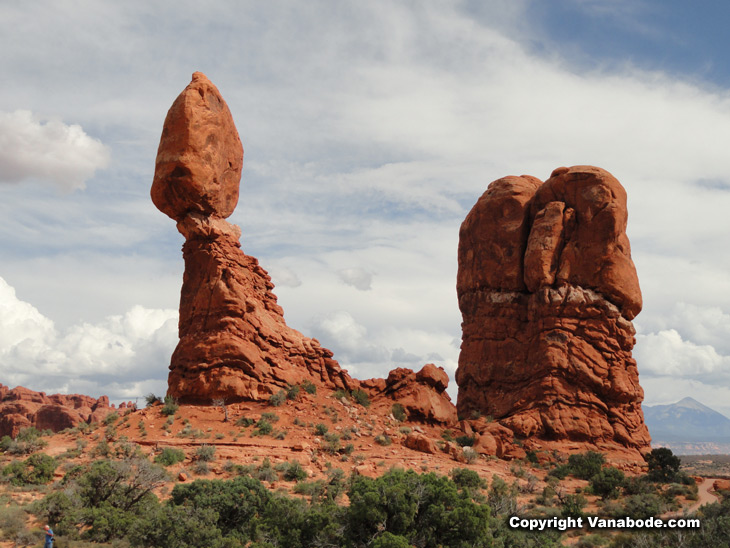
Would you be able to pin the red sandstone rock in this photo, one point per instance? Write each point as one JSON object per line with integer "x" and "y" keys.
{"x": 422, "y": 395}
{"x": 547, "y": 290}
{"x": 234, "y": 342}
{"x": 200, "y": 156}
{"x": 21, "y": 408}
{"x": 420, "y": 442}
{"x": 721, "y": 485}
{"x": 56, "y": 417}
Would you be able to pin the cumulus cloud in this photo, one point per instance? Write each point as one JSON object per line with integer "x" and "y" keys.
{"x": 122, "y": 353}
{"x": 667, "y": 353}
{"x": 47, "y": 150}
{"x": 358, "y": 278}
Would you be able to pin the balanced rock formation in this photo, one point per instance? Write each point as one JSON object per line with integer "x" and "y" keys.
{"x": 547, "y": 291}
{"x": 21, "y": 408}
{"x": 234, "y": 342}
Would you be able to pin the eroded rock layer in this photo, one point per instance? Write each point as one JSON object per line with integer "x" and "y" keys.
{"x": 547, "y": 291}
{"x": 234, "y": 342}
{"x": 21, "y": 408}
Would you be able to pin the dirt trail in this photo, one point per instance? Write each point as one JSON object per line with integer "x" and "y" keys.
{"x": 703, "y": 495}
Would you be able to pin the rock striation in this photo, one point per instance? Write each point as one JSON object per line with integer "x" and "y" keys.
{"x": 547, "y": 291}
{"x": 234, "y": 342}
{"x": 21, "y": 408}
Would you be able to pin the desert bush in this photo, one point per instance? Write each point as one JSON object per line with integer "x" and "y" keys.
{"x": 292, "y": 392}
{"x": 293, "y": 471}
{"x": 205, "y": 453}
{"x": 467, "y": 479}
{"x": 263, "y": 428}
{"x": 361, "y": 397}
{"x": 309, "y": 387}
{"x": 244, "y": 422}
{"x": 383, "y": 439}
{"x": 607, "y": 483}
{"x": 320, "y": 429}
{"x": 170, "y": 406}
{"x": 170, "y": 456}
{"x": 26, "y": 442}
{"x": 398, "y": 412}
{"x": 277, "y": 399}
{"x": 586, "y": 465}
{"x": 150, "y": 400}
{"x": 465, "y": 441}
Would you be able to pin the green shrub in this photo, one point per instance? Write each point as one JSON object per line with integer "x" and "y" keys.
{"x": 293, "y": 471}
{"x": 399, "y": 412}
{"x": 607, "y": 483}
{"x": 244, "y": 422}
{"x": 110, "y": 419}
{"x": 26, "y": 442}
{"x": 170, "y": 406}
{"x": 200, "y": 468}
{"x": 573, "y": 506}
{"x": 271, "y": 417}
{"x": 586, "y": 465}
{"x": 320, "y": 429}
{"x": 361, "y": 397}
{"x": 309, "y": 387}
{"x": 383, "y": 439}
{"x": 170, "y": 456}
{"x": 205, "y": 453}
{"x": 37, "y": 469}
{"x": 263, "y": 428}
{"x": 465, "y": 441}
{"x": 277, "y": 399}
{"x": 467, "y": 479}
{"x": 292, "y": 393}
{"x": 150, "y": 400}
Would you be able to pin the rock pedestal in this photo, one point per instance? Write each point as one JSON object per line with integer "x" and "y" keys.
{"x": 234, "y": 342}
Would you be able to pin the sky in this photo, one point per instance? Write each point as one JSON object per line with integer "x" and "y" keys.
{"x": 370, "y": 129}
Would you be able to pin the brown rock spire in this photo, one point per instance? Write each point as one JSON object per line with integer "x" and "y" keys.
{"x": 547, "y": 289}
{"x": 234, "y": 342}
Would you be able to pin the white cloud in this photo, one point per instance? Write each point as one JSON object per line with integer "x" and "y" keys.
{"x": 358, "y": 278}
{"x": 49, "y": 151}
{"x": 282, "y": 276}
{"x": 133, "y": 349}
{"x": 666, "y": 354}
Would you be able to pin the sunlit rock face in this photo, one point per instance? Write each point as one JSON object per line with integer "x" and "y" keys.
{"x": 234, "y": 342}
{"x": 547, "y": 291}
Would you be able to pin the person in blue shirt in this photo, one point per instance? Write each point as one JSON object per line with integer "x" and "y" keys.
{"x": 49, "y": 537}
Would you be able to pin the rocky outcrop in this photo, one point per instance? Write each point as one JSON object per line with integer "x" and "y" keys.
{"x": 234, "y": 342}
{"x": 21, "y": 408}
{"x": 547, "y": 291}
{"x": 422, "y": 394}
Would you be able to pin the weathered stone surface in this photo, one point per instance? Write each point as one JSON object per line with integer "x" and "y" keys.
{"x": 234, "y": 342}
{"x": 422, "y": 394}
{"x": 547, "y": 290}
{"x": 21, "y": 408}
{"x": 199, "y": 160}
{"x": 420, "y": 442}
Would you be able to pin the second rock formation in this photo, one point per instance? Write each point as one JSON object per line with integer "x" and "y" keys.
{"x": 547, "y": 291}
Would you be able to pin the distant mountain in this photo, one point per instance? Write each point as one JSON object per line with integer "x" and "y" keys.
{"x": 687, "y": 421}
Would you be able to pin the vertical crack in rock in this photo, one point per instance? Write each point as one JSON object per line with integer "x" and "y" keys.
{"x": 547, "y": 291}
